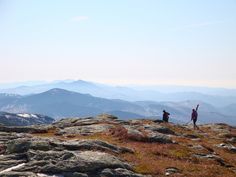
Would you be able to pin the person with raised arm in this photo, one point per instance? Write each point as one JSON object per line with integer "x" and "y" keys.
{"x": 194, "y": 117}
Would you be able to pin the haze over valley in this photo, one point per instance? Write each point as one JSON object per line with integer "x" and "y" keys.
{"x": 60, "y": 99}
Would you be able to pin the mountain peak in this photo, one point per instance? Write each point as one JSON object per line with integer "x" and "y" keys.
{"x": 57, "y": 91}
{"x": 82, "y": 82}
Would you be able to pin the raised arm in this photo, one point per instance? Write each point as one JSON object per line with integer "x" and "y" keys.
{"x": 197, "y": 107}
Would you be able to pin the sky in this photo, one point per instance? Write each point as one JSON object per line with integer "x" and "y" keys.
{"x": 184, "y": 42}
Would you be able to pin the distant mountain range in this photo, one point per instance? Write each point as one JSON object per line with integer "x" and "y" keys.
{"x": 59, "y": 103}
{"x": 217, "y": 97}
{"x": 23, "y": 119}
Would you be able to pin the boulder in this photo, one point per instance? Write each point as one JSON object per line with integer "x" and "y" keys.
{"x": 71, "y": 122}
{"x": 18, "y": 145}
{"x": 159, "y": 129}
{"x": 94, "y": 145}
{"x": 10, "y": 163}
{"x": 158, "y": 137}
{"x": 119, "y": 172}
{"x": 57, "y": 162}
{"x": 212, "y": 157}
{"x": 229, "y": 147}
{"x": 171, "y": 170}
{"x": 86, "y": 129}
{"x": 135, "y": 133}
{"x": 19, "y": 174}
{"x": 24, "y": 144}
{"x": 232, "y": 140}
{"x": 6, "y": 136}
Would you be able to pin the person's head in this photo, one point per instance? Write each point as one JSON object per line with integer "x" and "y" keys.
{"x": 193, "y": 110}
{"x": 164, "y": 110}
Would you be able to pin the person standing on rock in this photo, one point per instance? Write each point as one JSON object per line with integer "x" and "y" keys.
{"x": 194, "y": 117}
{"x": 165, "y": 116}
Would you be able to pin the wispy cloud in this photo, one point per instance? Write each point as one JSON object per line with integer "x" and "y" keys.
{"x": 79, "y": 18}
{"x": 196, "y": 25}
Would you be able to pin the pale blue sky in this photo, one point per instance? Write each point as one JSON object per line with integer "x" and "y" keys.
{"x": 178, "y": 42}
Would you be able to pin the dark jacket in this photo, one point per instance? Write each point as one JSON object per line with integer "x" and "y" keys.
{"x": 194, "y": 115}
{"x": 166, "y": 116}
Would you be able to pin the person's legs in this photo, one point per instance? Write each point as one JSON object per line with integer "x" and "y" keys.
{"x": 194, "y": 124}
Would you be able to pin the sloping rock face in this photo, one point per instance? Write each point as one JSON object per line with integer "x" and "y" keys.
{"x": 25, "y": 154}
{"x": 105, "y": 146}
{"x": 35, "y": 156}
{"x": 134, "y": 130}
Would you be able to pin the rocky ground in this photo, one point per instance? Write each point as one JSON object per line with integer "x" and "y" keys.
{"x": 104, "y": 146}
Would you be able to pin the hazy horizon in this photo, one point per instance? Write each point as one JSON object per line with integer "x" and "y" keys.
{"x": 130, "y": 85}
{"x": 156, "y": 42}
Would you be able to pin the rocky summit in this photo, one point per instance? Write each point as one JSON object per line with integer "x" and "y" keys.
{"x": 105, "y": 146}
